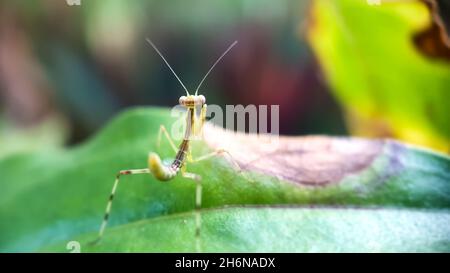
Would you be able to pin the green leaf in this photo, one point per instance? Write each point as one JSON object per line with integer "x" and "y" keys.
{"x": 386, "y": 83}
{"x": 284, "y": 230}
{"x": 336, "y": 188}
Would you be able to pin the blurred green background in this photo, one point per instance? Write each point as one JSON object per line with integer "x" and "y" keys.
{"x": 77, "y": 66}
{"x": 66, "y": 70}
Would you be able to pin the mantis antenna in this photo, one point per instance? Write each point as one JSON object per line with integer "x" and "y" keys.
{"x": 218, "y": 60}
{"x": 164, "y": 59}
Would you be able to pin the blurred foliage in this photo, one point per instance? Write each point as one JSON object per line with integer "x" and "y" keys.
{"x": 387, "y": 86}
{"x": 94, "y": 62}
{"x": 45, "y": 137}
{"x": 90, "y": 61}
{"x": 66, "y": 196}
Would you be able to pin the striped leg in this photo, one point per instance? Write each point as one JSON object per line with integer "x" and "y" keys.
{"x": 198, "y": 206}
{"x": 221, "y": 152}
{"x": 111, "y": 198}
{"x": 162, "y": 129}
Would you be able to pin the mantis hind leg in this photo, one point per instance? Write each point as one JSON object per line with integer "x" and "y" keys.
{"x": 163, "y": 131}
{"x": 198, "y": 205}
{"x": 111, "y": 198}
{"x": 222, "y": 152}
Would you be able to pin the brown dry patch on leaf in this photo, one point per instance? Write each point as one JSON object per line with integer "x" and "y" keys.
{"x": 310, "y": 160}
{"x": 434, "y": 41}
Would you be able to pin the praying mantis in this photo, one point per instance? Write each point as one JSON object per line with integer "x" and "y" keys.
{"x": 167, "y": 172}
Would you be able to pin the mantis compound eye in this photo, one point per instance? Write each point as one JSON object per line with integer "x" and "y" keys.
{"x": 182, "y": 100}
{"x": 202, "y": 99}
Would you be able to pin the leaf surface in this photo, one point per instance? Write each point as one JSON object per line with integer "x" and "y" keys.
{"x": 335, "y": 188}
